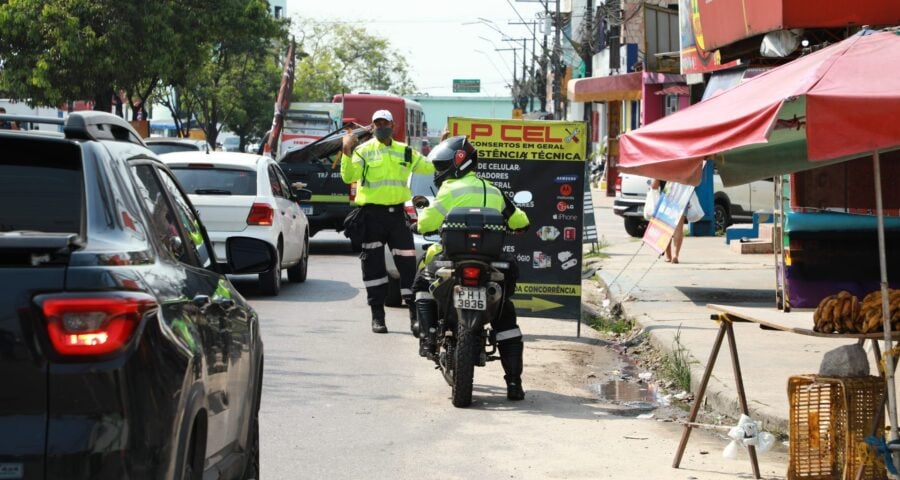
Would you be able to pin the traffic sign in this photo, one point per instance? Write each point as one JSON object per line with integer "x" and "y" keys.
{"x": 466, "y": 85}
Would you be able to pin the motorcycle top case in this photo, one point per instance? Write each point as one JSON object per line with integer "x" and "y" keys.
{"x": 473, "y": 232}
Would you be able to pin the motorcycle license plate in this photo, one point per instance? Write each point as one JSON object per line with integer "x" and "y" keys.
{"x": 307, "y": 209}
{"x": 470, "y": 298}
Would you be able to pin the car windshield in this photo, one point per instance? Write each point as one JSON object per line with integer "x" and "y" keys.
{"x": 216, "y": 181}
{"x": 161, "y": 148}
{"x": 423, "y": 184}
{"x": 40, "y": 187}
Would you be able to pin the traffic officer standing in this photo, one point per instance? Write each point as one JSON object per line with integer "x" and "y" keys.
{"x": 382, "y": 167}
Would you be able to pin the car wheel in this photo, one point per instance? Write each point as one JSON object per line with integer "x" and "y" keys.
{"x": 270, "y": 282}
{"x": 393, "y": 299}
{"x": 723, "y": 218}
{"x": 635, "y": 226}
{"x": 298, "y": 272}
{"x": 251, "y": 470}
{"x": 192, "y": 468}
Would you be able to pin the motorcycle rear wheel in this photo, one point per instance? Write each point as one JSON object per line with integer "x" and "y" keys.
{"x": 464, "y": 366}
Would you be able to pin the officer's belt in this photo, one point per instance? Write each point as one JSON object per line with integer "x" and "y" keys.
{"x": 387, "y": 208}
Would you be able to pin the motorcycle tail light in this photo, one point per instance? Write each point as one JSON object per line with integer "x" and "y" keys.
{"x": 260, "y": 214}
{"x": 470, "y": 276}
{"x": 352, "y": 192}
{"x": 98, "y": 324}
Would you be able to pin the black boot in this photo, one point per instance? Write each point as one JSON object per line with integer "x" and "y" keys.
{"x": 413, "y": 321}
{"x": 425, "y": 311}
{"x": 378, "y": 325}
{"x": 511, "y": 359}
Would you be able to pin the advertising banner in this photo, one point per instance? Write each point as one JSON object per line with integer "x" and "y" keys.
{"x": 545, "y": 158}
{"x": 668, "y": 211}
{"x": 694, "y": 57}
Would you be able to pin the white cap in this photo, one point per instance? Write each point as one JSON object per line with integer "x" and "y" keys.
{"x": 382, "y": 114}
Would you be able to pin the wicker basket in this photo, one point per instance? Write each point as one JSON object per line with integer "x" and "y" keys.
{"x": 829, "y": 419}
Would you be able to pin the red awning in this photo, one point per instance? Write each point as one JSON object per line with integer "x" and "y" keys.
{"x": 682, "y": 90}
{"x": 847, "y": 96}
{"x": 606, "y": 89}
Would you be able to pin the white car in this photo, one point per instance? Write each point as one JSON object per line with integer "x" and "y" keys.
{"x": 241, "y": 194}
{"x": 419, "y": 184}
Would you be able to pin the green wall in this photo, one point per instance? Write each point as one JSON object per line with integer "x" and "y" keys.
{"x": 438, "y": 109}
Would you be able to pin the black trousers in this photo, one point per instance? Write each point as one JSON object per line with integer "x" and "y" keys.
{"x": 386, "y": 225}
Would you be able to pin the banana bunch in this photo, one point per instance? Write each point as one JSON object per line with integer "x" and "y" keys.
{"x": 870, "y": 313}
{"x": 837, "y": 314}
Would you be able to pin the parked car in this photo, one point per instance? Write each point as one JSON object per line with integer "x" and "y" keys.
{"x": 163, "y": 145}
{"x": 231, "y": 144}
{"x": 125, "y": 351}
{"x": 242, "y": 194}
{"x": 732, "y": 204}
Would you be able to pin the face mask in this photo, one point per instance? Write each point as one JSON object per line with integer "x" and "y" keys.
{"x": 383, "y": 133}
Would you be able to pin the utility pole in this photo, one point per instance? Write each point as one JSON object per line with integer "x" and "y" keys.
{"x": 522, "y": 96}
{"x": 557, "y": 77}
{"x": 587, "y": 56}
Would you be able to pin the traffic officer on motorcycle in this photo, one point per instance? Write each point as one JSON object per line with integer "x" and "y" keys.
{"x": 382, "y": 167}
{"x": 455, "y": 161}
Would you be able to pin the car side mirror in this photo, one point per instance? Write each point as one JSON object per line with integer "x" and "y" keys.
{"x": 249, "y": 255}
{"x": 420, "y": 201}
{"x": 302, "y": 194}
{"x": 522, "y": 197}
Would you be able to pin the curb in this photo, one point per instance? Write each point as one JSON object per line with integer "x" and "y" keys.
{"x": 720, "y": 398}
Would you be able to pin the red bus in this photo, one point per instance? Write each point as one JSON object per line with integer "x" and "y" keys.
{"x": 409, "y": 120}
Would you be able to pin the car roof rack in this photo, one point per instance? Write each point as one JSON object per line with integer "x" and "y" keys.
{"x": 86, "y": 126}
{"x": 100, "y": 126}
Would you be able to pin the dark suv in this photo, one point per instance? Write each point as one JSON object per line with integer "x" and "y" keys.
{"x": 124, "y": 350}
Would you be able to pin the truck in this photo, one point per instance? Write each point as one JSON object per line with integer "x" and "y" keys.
{"x": 732, "y": 204}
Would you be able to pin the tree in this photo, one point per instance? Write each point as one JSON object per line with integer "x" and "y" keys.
{"x": 55, "y": 51}
{"x": 229, "y": 87}
{"x": 342, "y": 58}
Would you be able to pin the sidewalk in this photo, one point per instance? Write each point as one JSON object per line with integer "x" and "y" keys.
{"x": 673, "y": 298}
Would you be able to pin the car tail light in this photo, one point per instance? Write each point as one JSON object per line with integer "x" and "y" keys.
{"x": 85, "y": 324}
{"x": 470, "y": 276}
{"x": 260, "y": 214}
{"x": 619, "y": 184}
{"x": 411, "y": 213}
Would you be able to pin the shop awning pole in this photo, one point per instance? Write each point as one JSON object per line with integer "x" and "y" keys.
{"x": 885, "y": 307}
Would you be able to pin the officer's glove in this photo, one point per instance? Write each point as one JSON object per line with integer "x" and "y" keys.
{"x": 518, "y": 231}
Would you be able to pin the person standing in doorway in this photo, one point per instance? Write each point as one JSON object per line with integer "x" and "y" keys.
{"x": 382, "y": 167}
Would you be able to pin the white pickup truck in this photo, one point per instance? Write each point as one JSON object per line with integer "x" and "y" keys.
{"x": 732, "y": 204}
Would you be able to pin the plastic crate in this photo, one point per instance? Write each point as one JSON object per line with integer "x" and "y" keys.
{"x": 829, "y": 420}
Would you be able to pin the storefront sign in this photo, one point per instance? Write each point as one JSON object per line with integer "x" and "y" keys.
{"x": 545, "y": 158}
{"x": 694, "y": 59}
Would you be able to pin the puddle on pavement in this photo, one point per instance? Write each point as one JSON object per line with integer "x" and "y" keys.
{"x": 625, "y": 393}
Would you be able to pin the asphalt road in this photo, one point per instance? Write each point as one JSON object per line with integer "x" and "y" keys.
{"x": 341, "y": 402}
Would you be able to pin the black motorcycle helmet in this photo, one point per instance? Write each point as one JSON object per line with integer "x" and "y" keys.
{"x": 453, "y": 158}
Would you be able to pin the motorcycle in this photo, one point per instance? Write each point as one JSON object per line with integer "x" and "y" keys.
{"x": 470, "y": 294}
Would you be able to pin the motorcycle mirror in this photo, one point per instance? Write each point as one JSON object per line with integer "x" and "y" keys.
{"x": 522, "y": 197}
{"x": 420, "y": 201}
